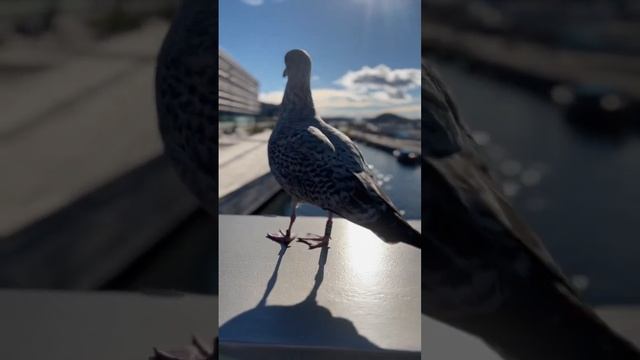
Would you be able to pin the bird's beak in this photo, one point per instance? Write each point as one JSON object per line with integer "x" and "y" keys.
{"x": 284, "y": 73}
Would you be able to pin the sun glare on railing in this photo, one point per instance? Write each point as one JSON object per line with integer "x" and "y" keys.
{"x": 365, "y": 253}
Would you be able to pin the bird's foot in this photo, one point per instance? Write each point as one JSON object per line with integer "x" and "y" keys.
{"x": 197, "y": 351}
{"x": 283, "y": 238}
{"x": 321, "y": 241}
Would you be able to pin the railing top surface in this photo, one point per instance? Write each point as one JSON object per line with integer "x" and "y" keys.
{"x": 359, "y": 293}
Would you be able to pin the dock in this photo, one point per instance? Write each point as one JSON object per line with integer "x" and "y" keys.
{"x": 533, "y": 62}
{"x": 386, "y": 143}
{"x": 245, "y": 180}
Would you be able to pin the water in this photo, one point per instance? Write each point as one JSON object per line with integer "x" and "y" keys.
{"x": 579, "y": 193}
{"x": 400, "y": 182}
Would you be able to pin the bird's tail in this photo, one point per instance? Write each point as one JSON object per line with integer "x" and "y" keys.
{"x": 393, "y": 229}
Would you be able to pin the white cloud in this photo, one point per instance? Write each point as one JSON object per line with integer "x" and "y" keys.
{"x": 253, "y": 2}
{"x": 366, "y": 92}
{"x": 273, "y": 97}
{"x": 394, "y": 82}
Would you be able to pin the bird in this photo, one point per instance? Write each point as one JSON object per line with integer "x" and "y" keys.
{"x": 484, "y": 270}
{"x": 316, "y": 163}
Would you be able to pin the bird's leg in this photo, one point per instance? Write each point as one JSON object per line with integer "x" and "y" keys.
{"x": 286, "y": 238}
{"x": 321, "y": 240}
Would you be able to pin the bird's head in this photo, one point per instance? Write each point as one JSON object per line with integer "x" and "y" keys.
{"x": 297, "y": 65}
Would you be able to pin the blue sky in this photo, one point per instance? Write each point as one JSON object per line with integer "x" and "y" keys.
{"x": 366, "y": 53}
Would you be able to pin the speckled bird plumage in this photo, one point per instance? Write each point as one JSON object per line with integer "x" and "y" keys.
{"x": 317, "y": 164}
{"x": 186, "y": 98}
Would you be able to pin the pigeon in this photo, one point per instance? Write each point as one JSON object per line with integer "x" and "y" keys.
{"x": 484, "y": 270}
{"x": 315, "y": 163}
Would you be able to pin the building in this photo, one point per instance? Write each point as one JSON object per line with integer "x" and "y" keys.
{"x": 238, "y": 103}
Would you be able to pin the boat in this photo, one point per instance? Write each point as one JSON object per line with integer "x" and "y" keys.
{"x": 407, "y": 157}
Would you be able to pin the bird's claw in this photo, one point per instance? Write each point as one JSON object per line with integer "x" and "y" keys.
{"x": 322, "y": 241}
{"x": 283, "y": 238}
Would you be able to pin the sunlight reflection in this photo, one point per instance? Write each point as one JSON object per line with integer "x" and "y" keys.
{"x": 365, "y": 253}
{"x": 381, "y": 10}
{"x": 384, "y": 6}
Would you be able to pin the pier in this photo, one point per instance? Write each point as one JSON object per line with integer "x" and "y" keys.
{"x": 534, "y": 63}
{"x": 245, "y": 181}
{"x": 387, "y": 143}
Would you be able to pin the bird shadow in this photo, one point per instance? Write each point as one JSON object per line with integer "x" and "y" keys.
{"x": 305, "y": 324}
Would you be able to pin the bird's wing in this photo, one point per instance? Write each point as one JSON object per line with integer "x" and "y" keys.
{"x": 386, "y": 221}
{"x": 360, "y": 166}
{"x": 334, "y": 173}
{"x": 451, "y": 154}
{"x": 317, "y": 134}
